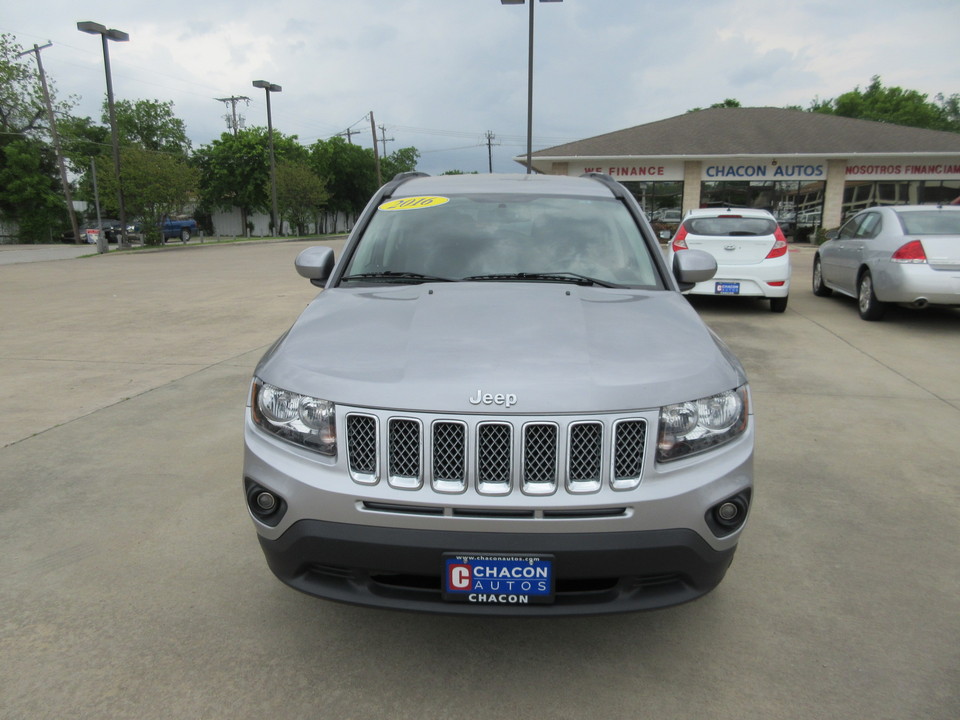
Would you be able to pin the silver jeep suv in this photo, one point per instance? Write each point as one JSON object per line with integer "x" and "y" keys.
{"x": 500, "y": 404}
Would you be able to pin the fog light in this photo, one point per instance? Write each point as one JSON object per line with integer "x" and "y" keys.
{"x": 265, "y": 505}
{"x": 266, "y": 501}
{"x": 728, "y": 515}
{"x": 727, "y": 512}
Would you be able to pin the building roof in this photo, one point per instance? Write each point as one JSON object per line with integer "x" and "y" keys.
{"x": 718, "y": 132}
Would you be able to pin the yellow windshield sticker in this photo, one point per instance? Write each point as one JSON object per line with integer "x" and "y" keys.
{"x": 414, "y": 203}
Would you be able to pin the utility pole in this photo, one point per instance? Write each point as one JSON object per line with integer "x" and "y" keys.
{"x": 56, "y": 140}
{"x": 490, "y": 138}
{"x": 376, "y": 155}
{"x": 232, "y": 121}
{"x": 384, "y": 139}
{"x": 349, "y": 132}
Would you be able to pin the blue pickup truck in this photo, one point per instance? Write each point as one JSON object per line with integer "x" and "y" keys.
{"x": 182, "y": 229}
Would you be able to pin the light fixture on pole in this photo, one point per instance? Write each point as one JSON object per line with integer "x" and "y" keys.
{"x": 529, "y": 79}
{"x": 271, "y": 88}
{"x": 110, "y": 34}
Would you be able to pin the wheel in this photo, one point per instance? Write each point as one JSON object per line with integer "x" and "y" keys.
{"x": 184, "y": 235}
{"x": 870, "y": 308}
{"x": 778, "y": 305}
{"x": 819, "y": 289}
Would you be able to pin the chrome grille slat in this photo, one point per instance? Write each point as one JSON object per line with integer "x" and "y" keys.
{"x": 362, "y": 448}
{"x": 539, "y": 458}
{"x": 629, "y": 445}
{"x": 404, "y": 449}
{"x": 449, "y": 456}
{"x": 496, "y": 457}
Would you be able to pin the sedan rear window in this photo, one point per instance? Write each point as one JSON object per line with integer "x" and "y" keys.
{"x": 933, "y": 222}
{"x": 731, "y": 226}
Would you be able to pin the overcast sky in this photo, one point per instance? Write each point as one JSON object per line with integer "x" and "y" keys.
{"x": 439, "y": 74}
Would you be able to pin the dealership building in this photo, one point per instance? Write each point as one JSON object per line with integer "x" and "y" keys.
{"x": 809, "y": 169}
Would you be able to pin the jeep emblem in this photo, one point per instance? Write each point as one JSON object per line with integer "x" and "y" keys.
{"x": 482, "y": 398}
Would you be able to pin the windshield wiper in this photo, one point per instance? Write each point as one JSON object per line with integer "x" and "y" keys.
{"x": 569, "y": 277}
{"x": 395, "y": 276}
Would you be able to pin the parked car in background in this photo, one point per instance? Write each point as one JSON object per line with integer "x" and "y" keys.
{"x": 905, "y": 254}
{"x": 667, "y": 216}
{"x": 183, "y": 229}
{"x": 90, "y": 231}
{"x": 750, "y": 250}
{"x": 500, "y": 404}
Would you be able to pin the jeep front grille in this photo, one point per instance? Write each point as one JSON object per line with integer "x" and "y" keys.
{"x": 495, "y": 457}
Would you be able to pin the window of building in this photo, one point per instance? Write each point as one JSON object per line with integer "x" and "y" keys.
{"x": 860, "y": 195}
{"x": 798, "y": 206}
{"x": 657, "y": 197}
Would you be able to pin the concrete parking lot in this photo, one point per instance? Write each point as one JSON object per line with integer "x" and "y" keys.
{"x": 133, "y": 584}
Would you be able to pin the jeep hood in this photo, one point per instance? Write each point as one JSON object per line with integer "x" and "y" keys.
{"x": 555, "y": 348}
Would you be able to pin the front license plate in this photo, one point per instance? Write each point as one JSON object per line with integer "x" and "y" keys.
{"x": 498, "y": 579}
{"x": 727, "y": 288}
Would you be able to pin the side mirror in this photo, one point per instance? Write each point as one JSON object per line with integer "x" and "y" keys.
{"x": 665, "y": 235}
{"x": 693, "y": 266}
{"x": 832, "y": 234}
{"x": 315, "y": 264}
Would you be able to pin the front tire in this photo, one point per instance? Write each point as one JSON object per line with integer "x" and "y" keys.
{"x": 184, "y": 235}
{"x": 819, "y": 289}
{"x": 870, "y": 308}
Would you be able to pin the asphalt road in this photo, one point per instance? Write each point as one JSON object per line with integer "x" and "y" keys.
{"x": 133, "y": 585}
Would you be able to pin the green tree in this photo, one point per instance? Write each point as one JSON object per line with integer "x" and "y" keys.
{"x": 301, "y": 195}
{"x": 402, "y": 160}
{"x": 349, "y": 171}
{"x": 149, "y": 124}
{"x": 155, "y": 184}
{"x": 30, "y": 193}
{"x": 30, "y": 188}
{"x": 235, "y": 169}
{"x": 728, "y": 103}
{"x": 893, "y": 105}
{"x": 82, "y": 140}
{"x": 21, "y": 101}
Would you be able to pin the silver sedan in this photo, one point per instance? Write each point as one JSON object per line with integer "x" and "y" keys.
{"x": 907, "y": 254}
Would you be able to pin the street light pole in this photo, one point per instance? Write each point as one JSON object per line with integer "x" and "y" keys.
{"x": 269, "y": 88}
{"x": 97, "y": 29}
{"x": 529, "y": 80}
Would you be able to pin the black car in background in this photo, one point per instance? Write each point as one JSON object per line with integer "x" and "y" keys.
{"x": 90, "y": 230}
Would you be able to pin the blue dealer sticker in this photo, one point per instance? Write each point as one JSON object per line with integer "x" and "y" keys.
{"x": 498, "y": 579}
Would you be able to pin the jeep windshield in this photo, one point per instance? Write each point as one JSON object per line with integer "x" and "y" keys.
{"x": 509, "y": 238}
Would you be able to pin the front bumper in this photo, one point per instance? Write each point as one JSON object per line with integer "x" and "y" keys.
{"x": 401, "y": 568}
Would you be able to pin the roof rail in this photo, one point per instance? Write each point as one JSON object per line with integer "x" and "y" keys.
{"x": 399, "y": 179}
{"x": 615, "y": 187}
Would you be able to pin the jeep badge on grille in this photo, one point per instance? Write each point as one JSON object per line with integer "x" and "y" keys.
{"x": 482, "y": 398}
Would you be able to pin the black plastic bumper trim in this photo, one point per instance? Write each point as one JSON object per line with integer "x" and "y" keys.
{"x": 400, "y": 568}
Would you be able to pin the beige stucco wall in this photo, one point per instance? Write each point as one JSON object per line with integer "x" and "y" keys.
{"x": 692, "y": 170}
{"x": 833, "y": 193}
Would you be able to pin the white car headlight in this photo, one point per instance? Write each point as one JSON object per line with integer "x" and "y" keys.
{"x": 691, "y": 427}
{"x": 301, "y": 419}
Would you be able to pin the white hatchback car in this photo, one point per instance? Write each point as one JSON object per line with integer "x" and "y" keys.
{"x": 750, "y": 250}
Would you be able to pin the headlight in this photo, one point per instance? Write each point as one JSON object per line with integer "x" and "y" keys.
{"x": 301, "y": 419}
{"x": 691, "y": 427}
